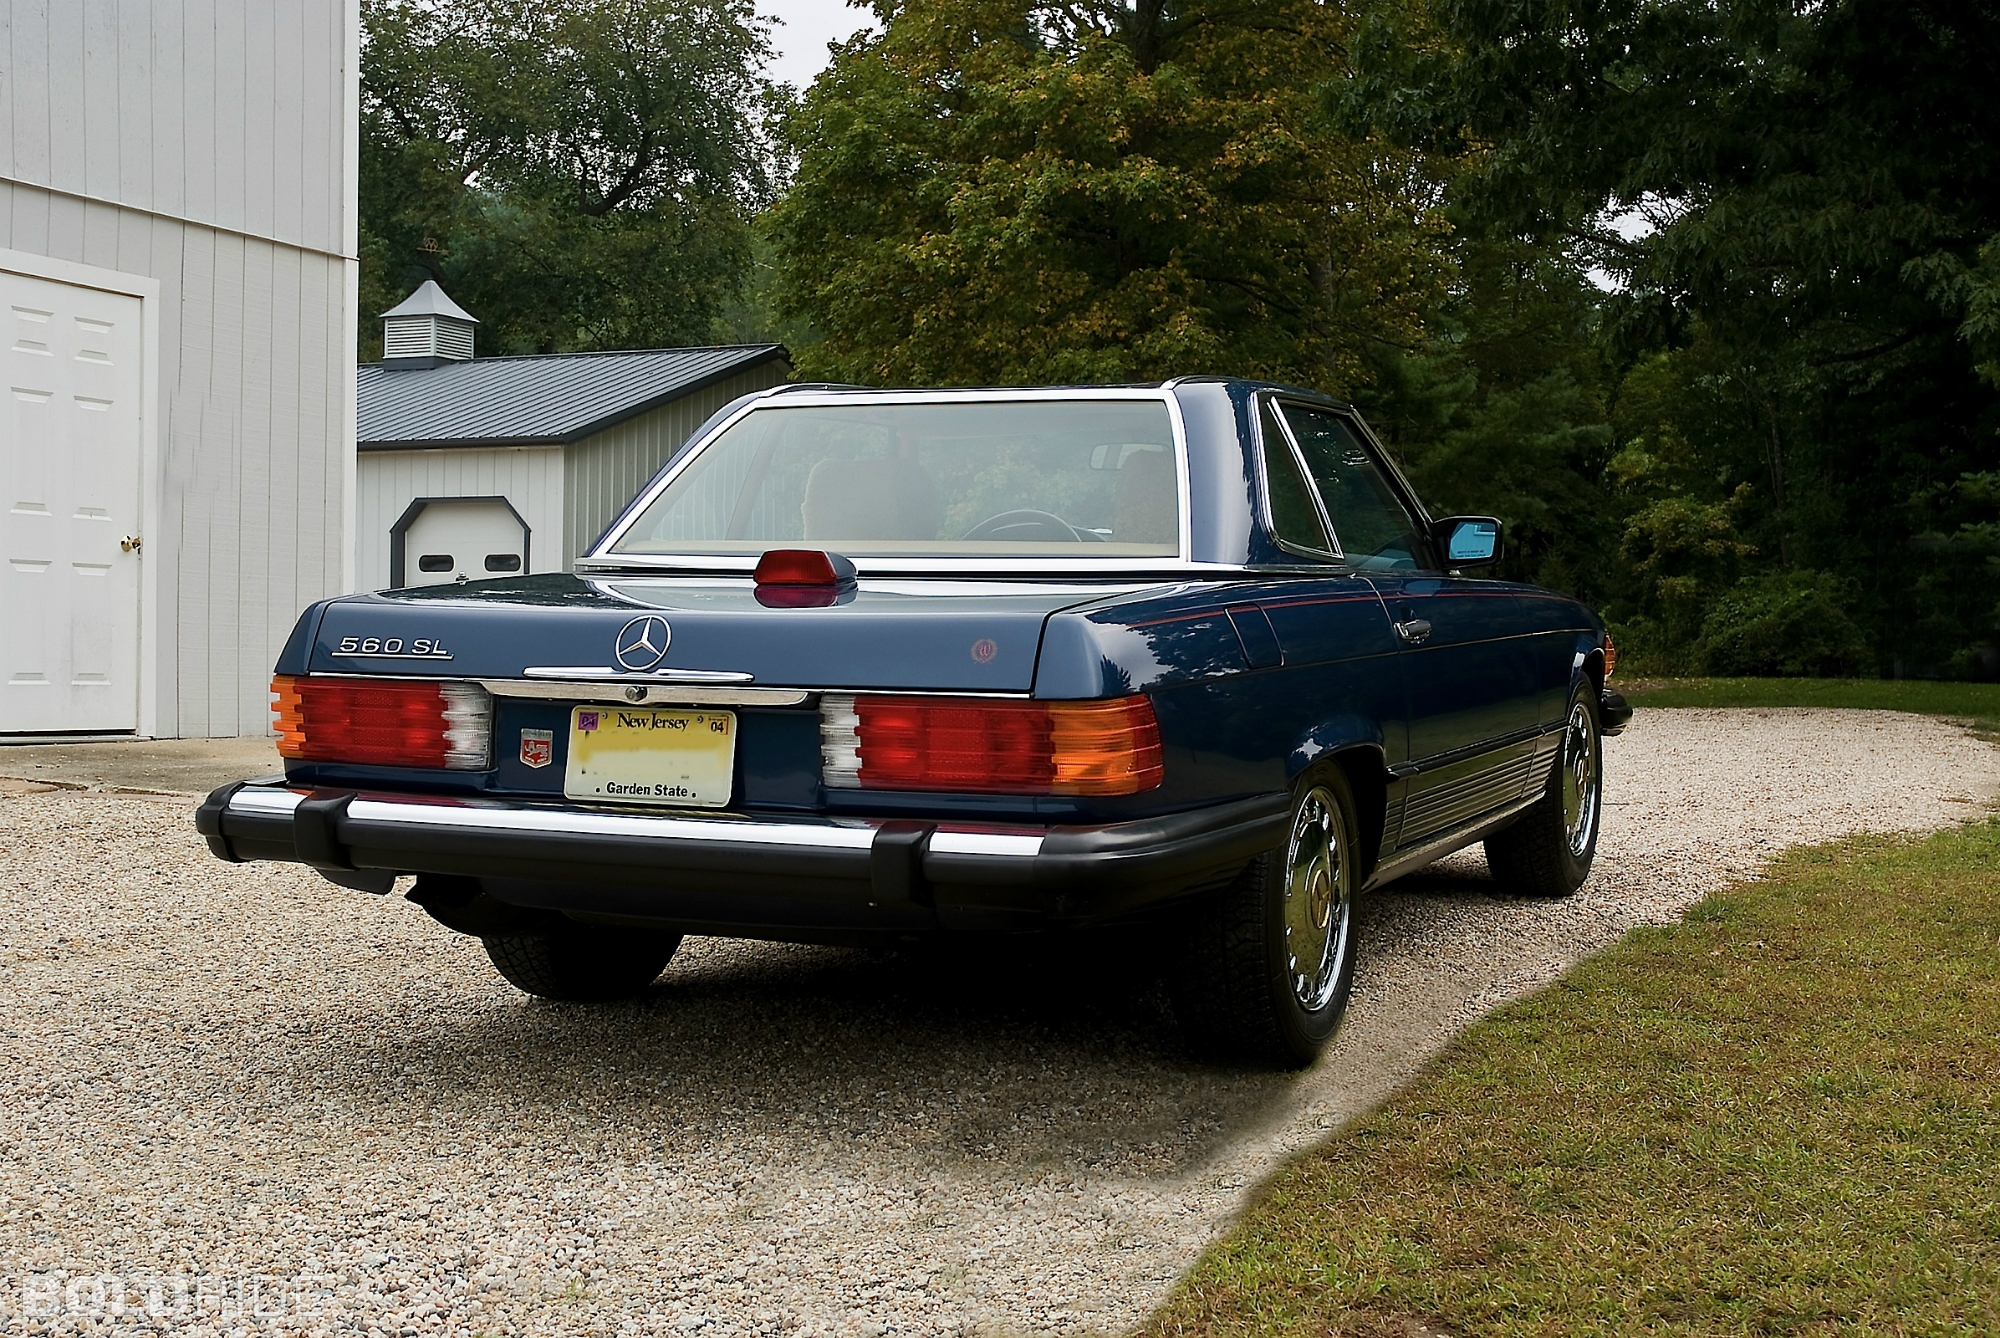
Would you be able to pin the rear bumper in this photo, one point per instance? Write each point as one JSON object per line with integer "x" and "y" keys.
{"x": 1613, "y": 712}
{"x": 771, "y": 876}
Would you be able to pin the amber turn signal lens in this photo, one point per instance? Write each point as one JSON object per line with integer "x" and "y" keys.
{"x": 990, "y": 745}
{"x": 1106, "y": 747}
{"x": 383, "y": 722}
{"x": 1610, "y": 657}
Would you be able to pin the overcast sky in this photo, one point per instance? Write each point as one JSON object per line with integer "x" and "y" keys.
{"x": 808, "y": 25}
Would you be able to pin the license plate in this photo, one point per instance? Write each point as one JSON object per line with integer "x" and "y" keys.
{"x": 677, "y": 759}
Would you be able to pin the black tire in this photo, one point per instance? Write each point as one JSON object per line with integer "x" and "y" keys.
{"x": 1548, "y": 850}
{"x": 580, "y": 963}
{"x": 1234, "y": 985}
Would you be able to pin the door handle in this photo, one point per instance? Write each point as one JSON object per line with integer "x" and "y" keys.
{"x": 1414, "y": 632}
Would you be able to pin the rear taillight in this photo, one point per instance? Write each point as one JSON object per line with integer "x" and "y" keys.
{"x": 383, "y": 722}
{"x": 990, "y": 745}
{"x": 1610, "y": 657}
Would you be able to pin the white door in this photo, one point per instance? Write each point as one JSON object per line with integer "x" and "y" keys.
{"x": 469, "y": 539}
{"x": 69, "y": 502}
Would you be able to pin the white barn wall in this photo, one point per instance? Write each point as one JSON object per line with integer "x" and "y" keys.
{"x": 229, "y": 113}
{"x": 605, "y": 470}
{"x": 208, "y": 144}
{"x": 531, "y": 477}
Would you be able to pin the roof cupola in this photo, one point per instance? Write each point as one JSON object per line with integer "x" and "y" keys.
{"x": 427, "y": 324}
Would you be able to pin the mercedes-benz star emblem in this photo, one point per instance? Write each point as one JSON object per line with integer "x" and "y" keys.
{"x": 643, "y": 642}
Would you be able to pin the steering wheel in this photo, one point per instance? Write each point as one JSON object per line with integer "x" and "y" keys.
{"x": 1024, "y": 526}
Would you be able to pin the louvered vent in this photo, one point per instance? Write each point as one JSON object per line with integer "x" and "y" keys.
{"x": 428, "y": 324}
{"x": 454, "y": 338}
{"x": 408, "y": 337}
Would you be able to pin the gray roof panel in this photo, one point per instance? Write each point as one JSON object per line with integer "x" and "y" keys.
{"x": 430, "y": 300}
{"x": 548, "y": 399}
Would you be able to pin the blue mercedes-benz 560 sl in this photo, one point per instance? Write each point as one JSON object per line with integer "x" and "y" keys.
{"x": 1186, "y": 660}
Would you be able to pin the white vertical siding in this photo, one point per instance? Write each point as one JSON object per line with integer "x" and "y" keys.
{"x": 530, "y": 477}
{"x": 208, "y": 144}
{"x": 224, "y": 112}
{"x": 604, "y": 471}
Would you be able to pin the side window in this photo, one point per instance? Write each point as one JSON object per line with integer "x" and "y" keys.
{"x": 1293, "y": 514}
{"x": 1375, "y": 529}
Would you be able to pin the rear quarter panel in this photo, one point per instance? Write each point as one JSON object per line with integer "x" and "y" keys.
{"x": 1323, "y": 677}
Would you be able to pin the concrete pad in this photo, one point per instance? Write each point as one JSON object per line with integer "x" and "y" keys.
{"x": 185, "y": 766}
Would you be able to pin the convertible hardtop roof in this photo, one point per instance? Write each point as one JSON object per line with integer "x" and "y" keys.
{"x": 973, "y": 392}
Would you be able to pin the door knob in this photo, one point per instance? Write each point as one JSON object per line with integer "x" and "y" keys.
{"x": 1414, "y": 632}
{"x": 130, "y": 543}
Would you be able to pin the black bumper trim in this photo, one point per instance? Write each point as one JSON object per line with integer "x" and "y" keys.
{"x": 208, "y": 821}
{"x": 930, "y": 870}
{"x": 1613, "y": 712}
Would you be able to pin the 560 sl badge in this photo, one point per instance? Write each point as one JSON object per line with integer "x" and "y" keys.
{"x": 391, "y": 648}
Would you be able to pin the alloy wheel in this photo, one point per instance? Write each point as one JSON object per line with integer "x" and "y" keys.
{"x": 1579, "y": 780}
{"x": 1318, "y": 899}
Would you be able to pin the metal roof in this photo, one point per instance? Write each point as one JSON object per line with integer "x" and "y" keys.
{"x": 430, "y": 300}
{"x": 544, "y": 400}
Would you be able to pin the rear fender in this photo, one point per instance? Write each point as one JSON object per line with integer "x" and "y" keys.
{"x": 296, "y": 657}
{"x": 1084, "y": 656}
{"x": 1587, "y": 662}
{"x": 1355, "y": 745}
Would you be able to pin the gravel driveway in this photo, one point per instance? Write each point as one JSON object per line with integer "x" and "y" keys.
{"x": 236, "y": 1085}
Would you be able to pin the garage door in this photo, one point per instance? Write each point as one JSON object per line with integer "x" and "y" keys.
{"x": 458, "y": 539}
{"x": 69, "y": 505}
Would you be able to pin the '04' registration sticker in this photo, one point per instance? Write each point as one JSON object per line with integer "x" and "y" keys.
{"x": 661, "y": 757}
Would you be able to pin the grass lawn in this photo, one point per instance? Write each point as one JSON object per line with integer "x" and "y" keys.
{"x": 1780, "y": 1116}
{"x": 1971, "y": 701}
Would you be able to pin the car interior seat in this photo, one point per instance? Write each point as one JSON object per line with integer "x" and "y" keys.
{"x": 871, "y": 499}
{"x": 1144, "y": 505}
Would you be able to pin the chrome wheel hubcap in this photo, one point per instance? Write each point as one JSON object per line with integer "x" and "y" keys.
{"x": 1579, "y": 780}
{"x": 1317, "y": 899}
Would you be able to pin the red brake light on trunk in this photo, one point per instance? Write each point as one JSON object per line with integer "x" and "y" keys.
{"x": 803, "y": 566}
{"x": 991, "y": 745}
{"x": 383, "y": 722}
{"x": 802, "y": 578}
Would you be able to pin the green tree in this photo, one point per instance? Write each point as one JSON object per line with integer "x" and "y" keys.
{"x": 1001, "y": 190}
{"x": 1502, "y": 408}
{"x": 578, "y": 173}
{"x": 1820, "y": 209}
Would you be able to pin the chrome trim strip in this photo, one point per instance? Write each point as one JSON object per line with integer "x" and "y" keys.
{"x": 918, "y": 567}
{"x": 837, "y": 834}
{"x": 1438, "y": 845}
{"x": 542, "y": 821}
{"x": 657, "y": 693}
{"x": 265, "y": 803}
{"x": 1002, "y": 844}
{"x": 604, "y": 673}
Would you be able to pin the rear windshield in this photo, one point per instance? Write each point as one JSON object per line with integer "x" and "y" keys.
{"x": 1046, "y": 478}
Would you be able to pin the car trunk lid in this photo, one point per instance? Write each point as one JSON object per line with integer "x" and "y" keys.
{"x": 916, "y": 635}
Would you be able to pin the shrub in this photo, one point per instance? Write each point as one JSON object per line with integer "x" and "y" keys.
{"x": 1786, "y": 624}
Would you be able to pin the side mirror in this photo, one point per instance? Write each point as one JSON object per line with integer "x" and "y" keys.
{"x": 1468, "y": 541}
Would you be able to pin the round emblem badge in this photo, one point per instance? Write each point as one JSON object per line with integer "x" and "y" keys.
{"x": 984, "y": 649}
{"x": 642, "y": 643}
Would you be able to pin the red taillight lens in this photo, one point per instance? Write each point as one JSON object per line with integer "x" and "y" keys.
{"x": 994, "y": 746}
{"x": 383, "y": 722}
{"x": 915, "y": 743}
